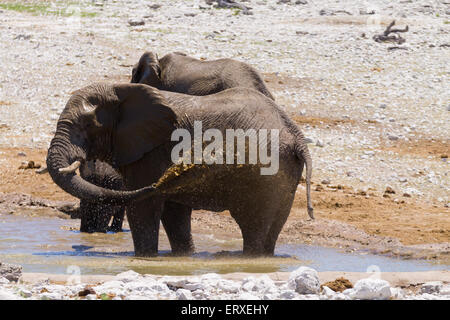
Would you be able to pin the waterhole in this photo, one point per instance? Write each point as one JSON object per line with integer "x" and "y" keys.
{"x": 54, "y": 245}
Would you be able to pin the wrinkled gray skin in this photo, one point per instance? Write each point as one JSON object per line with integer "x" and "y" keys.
{"x": 178, "y": 72}
{"x": 95, "y": 216}
{"x": 130, "y": 125}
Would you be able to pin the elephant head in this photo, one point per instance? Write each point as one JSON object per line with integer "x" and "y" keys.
{"x": 147, "y": 70}
{"x": 117, "y": 124}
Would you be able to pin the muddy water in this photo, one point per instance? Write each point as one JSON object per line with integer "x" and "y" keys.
{"x": 53, "y": 245}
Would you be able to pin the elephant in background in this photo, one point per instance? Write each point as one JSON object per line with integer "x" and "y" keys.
{"x": 178, "y": 72}
{"x": 130, "y": 127}
{"x": 95, "y": 216}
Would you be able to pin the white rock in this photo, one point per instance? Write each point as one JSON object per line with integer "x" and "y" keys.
{"x": 136, "y": 22}
{"x": 6, "y": 295}
{"x": 26, "y": 293}
{"x": 413, "y": 191}
{"x": 304, "y": 280}
{"x": 174, "y": 281}
{"x": 3, "y": 280}
{"x": 138, "y": 286}
{"x": 247, "y": 296}
{"x": 319, "y": 143}
{"x": 113, "y": 287}
{"x": 340, "y": 296}
{"x": 91, "y": 297}
{"x": 426, "y": 296}
{"x": 200, "y": 294}
{"x": 432, "y": 287}
{"x": 136, "y": 297}
{"x": 269, "y": 296}
{"x": 288, "y": 295}
{"x": 445, "y": 290}
{"x": 194, "y": 286}
{"x": 210, "y": 277}
{"x": 229, "y": 286}
{"x": 248, "y": 284}
{"x": 183, "y": 294}
{"x": 397, "y": 294}
{"x": 328, "y": 292}
{"x": 265, "y": 284}
{"x": 128, "y": 276}
{"x": 307, "y": 297}
{"x": 370, "y": 289}
{"x": 51, "y": 296}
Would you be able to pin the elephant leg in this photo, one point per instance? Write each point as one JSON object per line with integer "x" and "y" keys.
{"x": 88, "y": 217}
{"x": 274, "y": 231}
{"x": 277, "y": 225}
{"x": 118, "y": 216}
{"x": 254, "y": 228}
{"x": 143, "y": 217}
{"x": 176, "y": 219}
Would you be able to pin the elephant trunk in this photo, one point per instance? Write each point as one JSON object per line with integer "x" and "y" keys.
{"x": 62, "y": 154}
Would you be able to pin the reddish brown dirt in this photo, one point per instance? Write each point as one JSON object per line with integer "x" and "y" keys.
{"x": 421, "y": 147}
{"x": 15, "y": 180}
{"x": 408, "y": 220}
{"x": 321, "y": 121}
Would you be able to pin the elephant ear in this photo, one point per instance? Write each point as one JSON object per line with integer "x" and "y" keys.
{"x": 147, "y": 70}
{"x": 145, "y": 121}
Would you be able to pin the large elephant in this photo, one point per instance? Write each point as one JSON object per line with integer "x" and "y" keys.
{"x": 178, "y": 72}
{"x": 130, "y": 126}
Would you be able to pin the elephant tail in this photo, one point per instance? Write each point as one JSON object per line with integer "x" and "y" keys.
{"x": 302, "y": 152}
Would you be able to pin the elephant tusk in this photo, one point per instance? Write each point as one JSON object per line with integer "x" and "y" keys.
{"x": 70, "y": 169}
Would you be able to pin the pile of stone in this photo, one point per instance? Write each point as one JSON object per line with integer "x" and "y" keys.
{"x": 303, "y": 284}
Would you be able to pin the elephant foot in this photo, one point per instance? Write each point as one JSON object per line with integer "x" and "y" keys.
{"x": 249, "y": 253}
{"x": 178, "y": 252}
{"x": 145, "y": 253}
{"x": 114, "y": 230}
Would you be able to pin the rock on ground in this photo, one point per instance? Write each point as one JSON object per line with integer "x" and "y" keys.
{"x": 370, "y": 289}
{"x": 432, "y": 287}
{"x": 304, "y": 280}
{"x": 11, "y": 272}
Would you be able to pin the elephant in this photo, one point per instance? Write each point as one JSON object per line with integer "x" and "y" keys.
{"x": 178, "y": 72}
{"x": 172, "y": 73}
{"x": 131, "y": 127}
{"x": 95, "y": 216}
